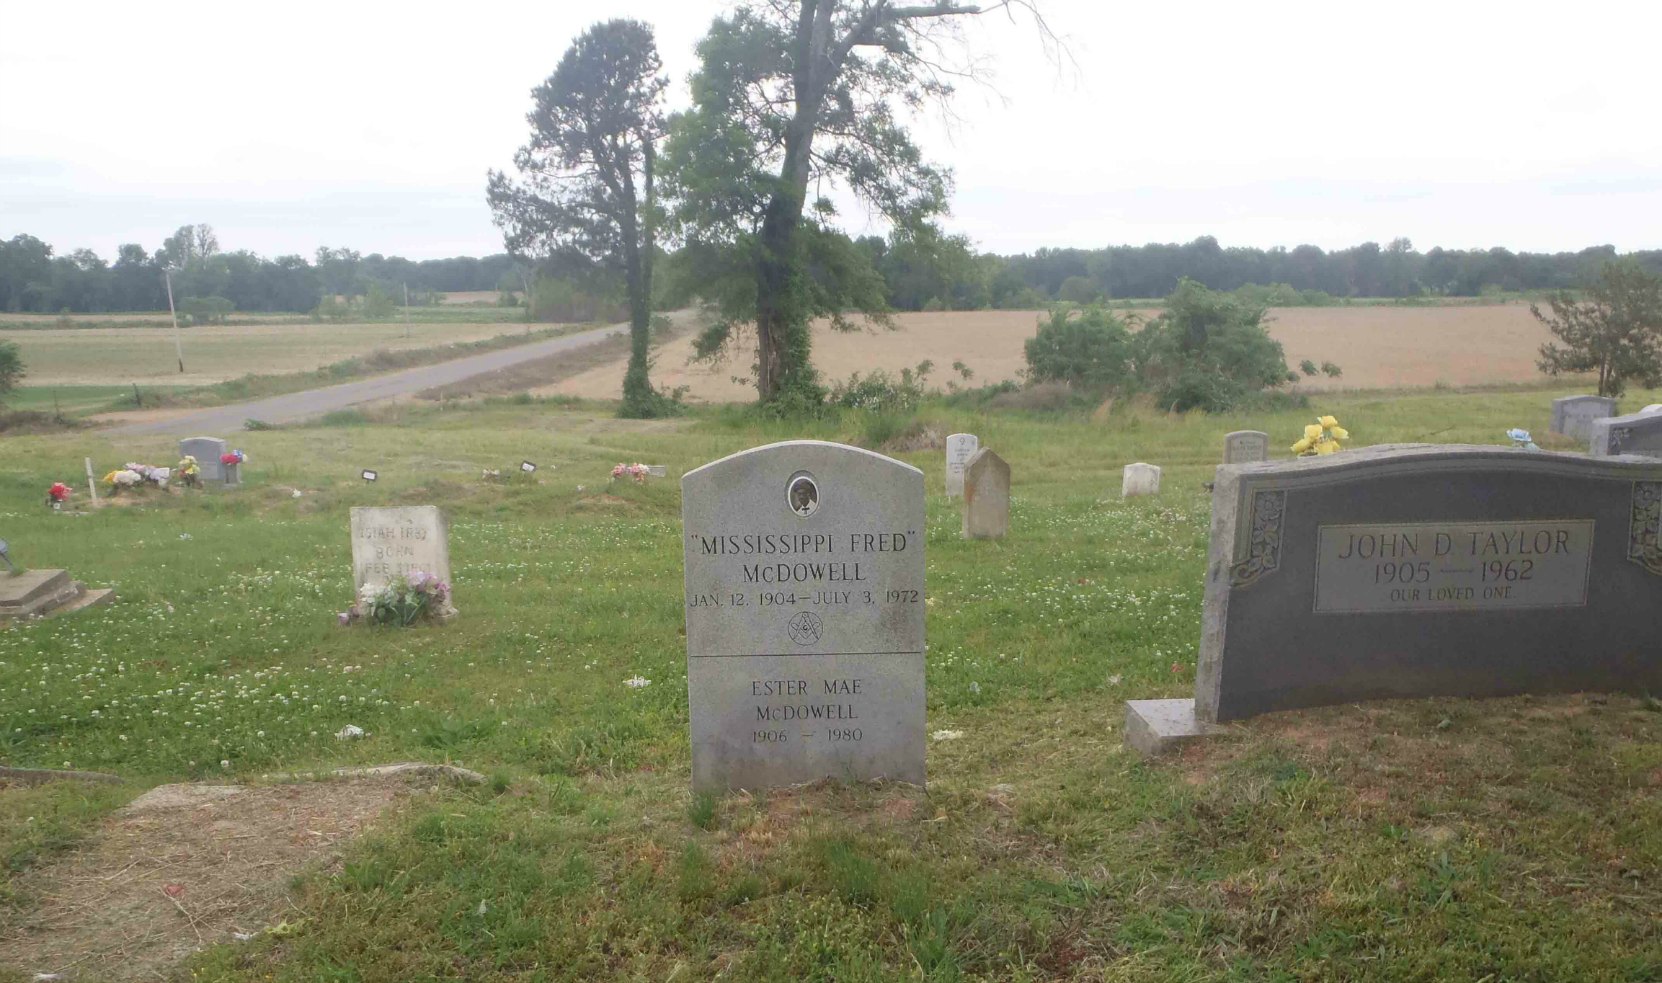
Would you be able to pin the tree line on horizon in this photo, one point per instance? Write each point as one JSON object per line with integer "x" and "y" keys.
{"x": 918, "y": 272}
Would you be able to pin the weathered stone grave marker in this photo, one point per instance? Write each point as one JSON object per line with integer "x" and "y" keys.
{"x": 1139, "y": 479}
{"x": 207, "y": 451}
{"x": 1246, "y": 447}
{"x": 1573, "y": 416}
{"x": 1419, "y": 570}
{"x": 398, "y": 541}
{"x": 1637, "y": 433}
{"x": 37, "y": 593}
{"x": 986, "y": 496}
{"x": 960, "y": 447}
{"x": 805, "y": 616}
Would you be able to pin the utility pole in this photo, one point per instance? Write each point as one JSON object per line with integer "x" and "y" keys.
{"x": 178, "y": 346}
{"x": 406, "y": 310}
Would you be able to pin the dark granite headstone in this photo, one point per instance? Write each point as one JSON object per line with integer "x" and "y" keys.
{"x": 1637, "y": 433}
{"x": 1573, "y": 416}
{"x": 1421, "y": 570}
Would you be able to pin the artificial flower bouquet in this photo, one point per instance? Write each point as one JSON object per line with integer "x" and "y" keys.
{"x": 1321, "y": 438}
{"x": 402, "y": 601}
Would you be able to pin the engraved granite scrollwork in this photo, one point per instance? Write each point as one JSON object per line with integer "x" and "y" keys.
{"x": 1264, "y": 545}
{"x": 1644, "y": 544}
{"x": 1618, "y": 437}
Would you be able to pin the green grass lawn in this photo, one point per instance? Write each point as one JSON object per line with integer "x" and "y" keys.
{"x": 1505, "y": 840}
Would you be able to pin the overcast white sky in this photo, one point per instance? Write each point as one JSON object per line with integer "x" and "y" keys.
{"x": 371, "y": 125}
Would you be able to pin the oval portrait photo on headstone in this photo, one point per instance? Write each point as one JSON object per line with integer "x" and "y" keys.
{"x": 805, "y": 628}
{"x": 802, "y": 494}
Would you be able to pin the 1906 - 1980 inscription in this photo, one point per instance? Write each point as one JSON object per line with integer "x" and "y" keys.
{"x": 1473, "y": 566}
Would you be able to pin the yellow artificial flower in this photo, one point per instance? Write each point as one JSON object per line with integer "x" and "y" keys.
{"x": 1340, "y": 433}
{"x": 109, "y": 479}
{"x": 1302, "y": 446}
{"x": 1313, "y": 431}
{"x": 1327, "y": 447}
{"x": 1328, "y": 421}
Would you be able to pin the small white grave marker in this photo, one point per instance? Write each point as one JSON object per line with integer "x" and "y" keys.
{"x": 1139, "y": 479}
{"x": 369, "y": 475}
{"x": 960, "y": 447}
{"x": 527, "y": 467}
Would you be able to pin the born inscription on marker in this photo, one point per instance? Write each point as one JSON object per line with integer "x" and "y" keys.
{"x": 1469, "y": 566}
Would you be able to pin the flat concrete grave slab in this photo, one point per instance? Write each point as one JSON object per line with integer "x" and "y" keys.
{"x": 805, "y": 617}
{"x": 1573, "y": 416}
{"x": 1154, "y": 727}
{"x": 1246, "y": 447}
{"x": 45, "y": 593}
{"x": 398, "y": 541}
{"x": 960, "y": 447}
{"x": 207, "y": 451}
{"x": 1414, "y": 571}
{"x": 1637, "y": 433}
{"x": 986, "y": 496}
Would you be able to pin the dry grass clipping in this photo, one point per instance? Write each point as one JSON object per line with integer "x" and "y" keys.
{"x": 182, "y": 867}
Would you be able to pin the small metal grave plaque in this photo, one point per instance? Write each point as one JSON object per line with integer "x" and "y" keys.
{"x": 527, "y": 467}
{"x": 369, "y": 475}
{"x": 1469, "y": 566}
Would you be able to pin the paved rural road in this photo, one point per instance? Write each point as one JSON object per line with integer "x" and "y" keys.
{"x": 313, "y": 402}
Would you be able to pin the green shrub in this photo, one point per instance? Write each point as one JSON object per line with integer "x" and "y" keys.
{"x": 11, "y": 366}
{"x": 377, "y": 304}
{"x": 563, "y": 302}
{"x": 1208, "y": 351}
{"x": 882, "y": 393}
{"x": 206, "y": 310}
{"x": 1090, "y": 348}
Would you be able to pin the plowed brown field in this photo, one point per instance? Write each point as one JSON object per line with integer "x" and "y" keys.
{"x": 1377, "y": 347}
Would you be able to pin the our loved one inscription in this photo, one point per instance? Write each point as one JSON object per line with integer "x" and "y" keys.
{"x": 805, "y": 616}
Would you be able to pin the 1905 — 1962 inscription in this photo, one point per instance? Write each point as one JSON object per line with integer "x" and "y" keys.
{"x": 805, "y": 616}
{"x": 1475, "y": 566}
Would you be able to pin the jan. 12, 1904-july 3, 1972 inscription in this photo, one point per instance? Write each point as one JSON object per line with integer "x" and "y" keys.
{"x": 805, "y": 616}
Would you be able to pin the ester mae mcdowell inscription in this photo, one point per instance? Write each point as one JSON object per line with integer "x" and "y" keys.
{"x": 396, "y": 542}
{"x": 805, "y": 616}
{"x": 1472, "y": 566}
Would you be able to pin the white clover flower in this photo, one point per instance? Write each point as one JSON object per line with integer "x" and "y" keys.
{"x": 637, "y": 682}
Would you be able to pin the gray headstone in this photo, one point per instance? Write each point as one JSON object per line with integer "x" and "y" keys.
{"x": 398, "y": 541}
{"x": 986, "y": 496}
{"x": 960, "y": 447}
{"x": 1419, "y": 570}
{"x": 1652, "y": 408}
{"x": 1246, "y": 447}
{"x": 1573, "y": 416}
{"x": 207, "y": 451}
{"x": 805, "y": 616}
{"x": 1637, "y": 433}
{"x": 1139, "y": 479}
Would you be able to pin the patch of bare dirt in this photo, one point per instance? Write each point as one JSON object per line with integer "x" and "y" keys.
{"x": 180, "y": 868}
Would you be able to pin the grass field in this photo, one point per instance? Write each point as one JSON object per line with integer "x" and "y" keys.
{"x": 1503, "y": 840}
{"x": 123, "y": 356}
{"x": 1379, "y": 347}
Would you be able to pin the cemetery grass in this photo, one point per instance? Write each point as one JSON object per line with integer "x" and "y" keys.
{"x": 1515, "y": 839}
